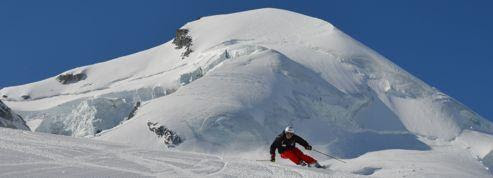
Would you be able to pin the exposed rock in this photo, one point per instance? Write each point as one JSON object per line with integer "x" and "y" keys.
{"x": 488, "y": 161}
{"x": 182, "y": 39}
{"x": 132, "y": 113}
{"x": 10, "y": 119}
{"x": 5, "y": 111}
{"x": 70, "y": 78}
{"x": 170, "y": 138}
{"x": 26, "y": 97}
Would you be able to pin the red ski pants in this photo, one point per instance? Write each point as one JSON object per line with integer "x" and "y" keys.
{"x": 297, "y": 156}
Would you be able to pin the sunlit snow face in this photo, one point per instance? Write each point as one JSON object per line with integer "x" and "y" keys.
{"x": 289, "y": 135}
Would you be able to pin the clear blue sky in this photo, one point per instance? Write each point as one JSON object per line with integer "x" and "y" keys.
{"x": 446, "y": 43}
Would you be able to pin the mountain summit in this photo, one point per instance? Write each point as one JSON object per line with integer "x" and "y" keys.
{"x": 229, "y": 83}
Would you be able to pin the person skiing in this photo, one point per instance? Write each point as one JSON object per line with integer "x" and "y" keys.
{"x": 285, "y": 144}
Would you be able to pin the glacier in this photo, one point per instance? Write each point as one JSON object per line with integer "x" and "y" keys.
{"x": 247, "y": 76}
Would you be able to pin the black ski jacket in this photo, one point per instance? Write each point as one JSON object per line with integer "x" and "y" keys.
{"x": 281, "y": 143}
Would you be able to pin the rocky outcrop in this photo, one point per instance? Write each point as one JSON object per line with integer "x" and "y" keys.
{"x": 10, "y": 119}
{"x": 132, "y": 113}
{"x": 169, "y": 137}
{"x": 70, "y": 78}
{"x": 182, "y": 39}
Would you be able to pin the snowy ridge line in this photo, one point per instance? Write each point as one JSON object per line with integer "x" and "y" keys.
{"x": 246, "y": 77}
{"x": 73, "y": 94}
{"x": 209, "y": 65}
{"x": 61, "y": 94}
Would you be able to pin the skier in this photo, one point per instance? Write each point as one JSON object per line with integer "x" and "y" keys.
{"x": 285, "y": 143}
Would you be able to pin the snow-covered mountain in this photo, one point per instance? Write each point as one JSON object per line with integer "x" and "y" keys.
{"x": 228, "y": 84}
{"x": 10, "y": 119}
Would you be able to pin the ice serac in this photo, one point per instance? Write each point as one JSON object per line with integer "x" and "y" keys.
{"x": 245, "y": 77}
{"x": 10, "y": 119}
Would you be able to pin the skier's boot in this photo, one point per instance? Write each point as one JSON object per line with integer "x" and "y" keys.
{"x": 319, "y": 166}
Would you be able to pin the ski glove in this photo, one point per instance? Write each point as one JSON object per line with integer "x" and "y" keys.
{"x": 273, "y": 158}
{"x": 308, "y": 147}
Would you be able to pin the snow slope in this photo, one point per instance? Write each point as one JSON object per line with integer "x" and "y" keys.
{"x": 30, "y": 154}
{"x": 250, "y": 75}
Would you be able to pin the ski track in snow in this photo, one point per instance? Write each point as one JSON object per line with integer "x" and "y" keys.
{"x": 28, "y": 154}
{"x": 31, "y": 154}
{"x": 257, "y": 73}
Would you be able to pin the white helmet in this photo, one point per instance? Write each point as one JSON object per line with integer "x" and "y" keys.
{"x": 289, "y": 129}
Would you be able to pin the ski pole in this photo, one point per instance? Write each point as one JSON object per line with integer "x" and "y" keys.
{"x": 328, "y": 155}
